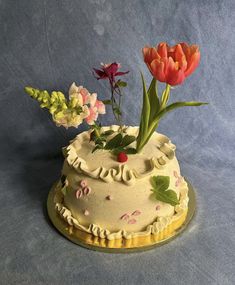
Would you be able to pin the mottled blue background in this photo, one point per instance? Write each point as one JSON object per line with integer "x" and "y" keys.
{"x": 49, "y": 44}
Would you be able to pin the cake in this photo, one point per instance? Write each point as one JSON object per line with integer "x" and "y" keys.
{"x": 122, "y": 182}
{"x": 113, "y": 200}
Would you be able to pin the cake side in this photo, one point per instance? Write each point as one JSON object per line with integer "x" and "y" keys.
{"x": 117, "y": 200}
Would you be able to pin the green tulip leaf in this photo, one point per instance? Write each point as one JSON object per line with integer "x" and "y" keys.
{"x": 153, "y": 100}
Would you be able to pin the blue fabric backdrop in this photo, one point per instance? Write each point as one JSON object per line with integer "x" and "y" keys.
{"x": 49, "y": 44}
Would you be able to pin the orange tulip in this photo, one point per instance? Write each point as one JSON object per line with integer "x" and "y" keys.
{"x": 171, "y": 64}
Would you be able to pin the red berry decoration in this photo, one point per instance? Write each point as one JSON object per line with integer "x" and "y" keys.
{"x": 122, "y": 157}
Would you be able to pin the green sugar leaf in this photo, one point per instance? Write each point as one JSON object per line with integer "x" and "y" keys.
{"x": 160, "y": 183}
{"x": 64, "y": 190}
{"x": 130, "y": 150}
{"x": 108, "y": 133}
{"x": 168, "y": 197}
{"x": 114, "y": 142}
{"x": 127, "y": 140}
{"x": 162, "y": 193}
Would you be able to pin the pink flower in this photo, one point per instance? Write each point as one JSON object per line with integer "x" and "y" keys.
{"x": 91, "y": 106}
{"x": 100, "y": 107}
{"x": 93, "y": 115}
{"x": 109, "y": 71}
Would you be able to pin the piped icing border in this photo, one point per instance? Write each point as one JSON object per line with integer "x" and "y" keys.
{"x": 121, "y": 173}
{"x": 160, "y": 223}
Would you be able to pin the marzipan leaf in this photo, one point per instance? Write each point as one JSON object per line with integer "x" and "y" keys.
{"x": 130, "y": 150}
{"x": 114, "y": 142}
{"x": 108, "y": 133}
{"x": 127, "y": 140}
{"x": 160, "y": 183}
{"x": 168, "y": 196}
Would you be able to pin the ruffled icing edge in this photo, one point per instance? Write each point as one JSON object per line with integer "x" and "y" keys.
{"x": 156, "y": 227}
{"x": 121, "y": 173}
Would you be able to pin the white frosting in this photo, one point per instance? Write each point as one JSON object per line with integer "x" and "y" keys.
{"x": 133, "y": 209}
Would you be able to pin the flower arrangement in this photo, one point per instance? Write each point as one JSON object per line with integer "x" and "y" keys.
{"x": 169, "y": 65}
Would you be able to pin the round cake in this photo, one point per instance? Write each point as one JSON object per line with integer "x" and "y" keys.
{"x": 113, "y": 200}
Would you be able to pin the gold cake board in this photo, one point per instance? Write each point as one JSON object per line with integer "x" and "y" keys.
{"x": 121, "y": 245}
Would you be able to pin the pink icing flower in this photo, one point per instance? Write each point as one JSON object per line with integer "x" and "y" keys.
{"x": 158, "y": 207}
{"x": 132, "y": 221}
{"x": 136, "y": 213}
{"x": 78, "y": 193}
{"x": 125, "y": 217}
{"x": 86, "y": 191}
{"x": 83, "y": 183}
{"x": 179, "y": 178}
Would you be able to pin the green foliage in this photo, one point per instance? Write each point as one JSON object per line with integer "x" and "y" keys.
{"x": 121, "y": 83}
{"x": 162, "y": 193}
{"x": 154, "y": 109}
{"x": 118, "y": 143}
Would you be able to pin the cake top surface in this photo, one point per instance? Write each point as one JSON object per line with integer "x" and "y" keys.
{"x": 158, "y": 152}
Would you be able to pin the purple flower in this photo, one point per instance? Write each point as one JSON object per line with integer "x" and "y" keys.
{"x": 109, "y": 71}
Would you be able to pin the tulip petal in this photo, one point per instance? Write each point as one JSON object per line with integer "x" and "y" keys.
{"x": 180, "y": 57}
{"x": 162, "y": 49}
{"x": 150, "y": 54}
{"x": 157, "y": 69}
{"x": 192, "y": 63}
{"x": 174, "y": 75}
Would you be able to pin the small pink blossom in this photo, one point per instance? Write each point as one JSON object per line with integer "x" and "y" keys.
{"x": 92, "y": 117}
{"x": 100, "y": 107}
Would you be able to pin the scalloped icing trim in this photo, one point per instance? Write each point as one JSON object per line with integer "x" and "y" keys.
{"x": 159, "y": 225}
{"x": 120, "y": 173}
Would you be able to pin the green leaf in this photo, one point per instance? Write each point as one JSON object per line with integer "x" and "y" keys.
{"x": 114, "y": 142}
{"x": 107, "y": 102}
{"x": 117, "y": 150}
{"x": 130, "y": 150}
{"x": 117, "y": 111}
{"x": 160, "y": 188}
{"x": 146, "y": 106}
{"x": 153, "y": 100}
{"x": 160, "y": 183}
{"x": 176, "y": 105}
{"x": 127, "y": 140}
{"x": 120, "y": 83}
{"x": 168, "y": 196}
{"x": 144, "y": 120}
{"x": 64, "y": 190}
{"x": 108, "y": 133}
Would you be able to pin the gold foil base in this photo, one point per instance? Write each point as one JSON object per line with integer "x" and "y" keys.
{"x": 122, "y": 245}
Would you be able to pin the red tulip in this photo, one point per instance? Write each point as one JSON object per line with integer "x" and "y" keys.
{"x": 109, "y": 71}
{"x": 171, "y": 64}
